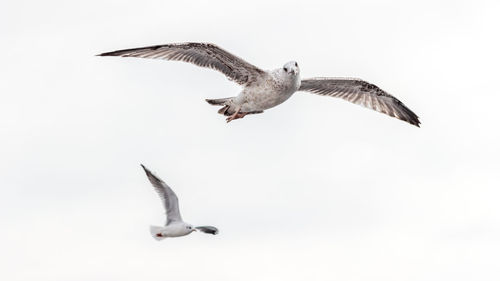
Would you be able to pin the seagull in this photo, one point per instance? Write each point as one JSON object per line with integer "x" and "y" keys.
{"x": 175, "y": 226}
{"x": 262, "y": 89}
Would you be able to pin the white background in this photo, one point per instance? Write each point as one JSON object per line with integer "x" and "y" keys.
{"x": 315, "y": 189}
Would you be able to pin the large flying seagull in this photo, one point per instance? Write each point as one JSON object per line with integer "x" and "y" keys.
{"x": 266, "y": 89}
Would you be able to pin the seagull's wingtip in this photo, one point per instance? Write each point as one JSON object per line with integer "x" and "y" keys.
{"x": 105, "y": 54}
{"x": 417, "y": 123}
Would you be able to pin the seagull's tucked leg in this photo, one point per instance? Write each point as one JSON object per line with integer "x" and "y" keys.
{"x": 229, "y": 108}
{"x": 236, "y": 115}
{"x": 240, "y": 115}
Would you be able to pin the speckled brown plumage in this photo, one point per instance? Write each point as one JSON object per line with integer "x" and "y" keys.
{"x": 263, "y": 90}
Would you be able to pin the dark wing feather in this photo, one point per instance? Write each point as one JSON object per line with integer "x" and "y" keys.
{"x": 201, "y": 54}
{"x": 360, "y": 92}
{"x": 208, "y": 229}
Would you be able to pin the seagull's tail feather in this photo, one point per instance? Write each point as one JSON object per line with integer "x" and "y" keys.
{"x": 223, "y": 101}
{"x": 156, "y": 232}
{"x": 228, "y": 108}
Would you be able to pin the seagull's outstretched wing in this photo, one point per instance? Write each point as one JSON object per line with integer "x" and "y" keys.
{"x": 201, "y": 54}
{"x": 360, "y": 92}
{"x": 167, "y": 196}
{"x": 208, "y": 229}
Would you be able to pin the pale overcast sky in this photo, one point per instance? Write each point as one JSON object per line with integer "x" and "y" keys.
{"x": 315, "y": 189}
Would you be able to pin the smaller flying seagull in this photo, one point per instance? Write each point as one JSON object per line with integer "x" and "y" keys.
{"x": 175, "y": 226}
{"x": 266, "y": 89}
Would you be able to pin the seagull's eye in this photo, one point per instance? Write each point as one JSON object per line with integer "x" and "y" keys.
{"x": 296, "y": 65}
{"x": 286, "y": 70}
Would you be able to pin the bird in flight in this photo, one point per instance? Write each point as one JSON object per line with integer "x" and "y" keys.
{"x": 175, "y": 226}
{"x": 266, "y": 89}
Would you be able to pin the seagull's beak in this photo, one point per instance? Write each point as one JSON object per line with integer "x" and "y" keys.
{"x": 194, "y": 229}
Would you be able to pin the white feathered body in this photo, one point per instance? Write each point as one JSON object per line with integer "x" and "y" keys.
{"x": 176, "y": 229}
{"x": 270, "y": 91}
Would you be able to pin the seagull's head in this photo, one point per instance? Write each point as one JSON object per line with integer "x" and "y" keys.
{"x": 190, "y": 228}
{"x": 291, "y": 68}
